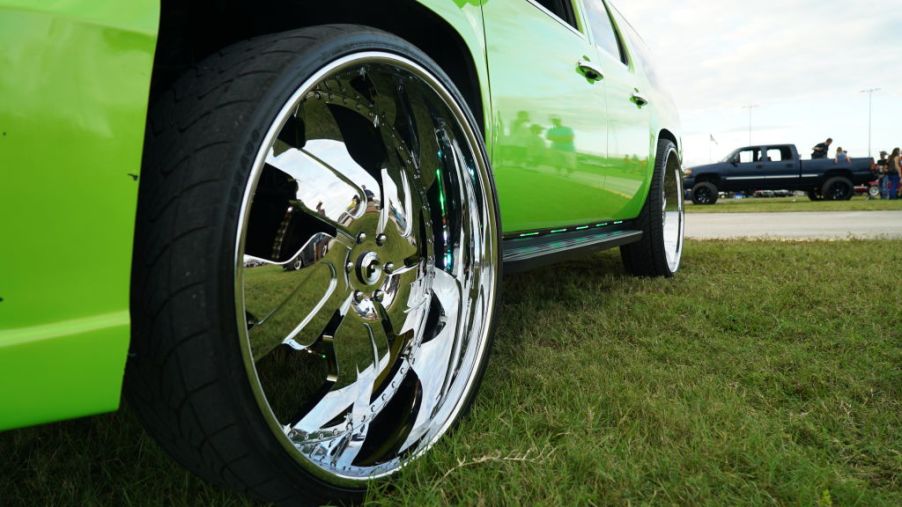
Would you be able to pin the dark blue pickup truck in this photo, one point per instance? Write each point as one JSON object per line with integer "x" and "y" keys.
{"x": 778, "y": 167}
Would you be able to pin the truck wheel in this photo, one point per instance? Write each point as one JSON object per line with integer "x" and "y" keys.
{"x": 662, "y": 220}
{"x": 704, "y": 193}
{"x": 838, "y": 188}
{"x": 301, "y": 387}
{"x": 814, "y": 196}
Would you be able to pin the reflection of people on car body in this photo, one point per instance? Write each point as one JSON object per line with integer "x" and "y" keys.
{"x": 820, "y": 150}
{"x": 562, "y": 142}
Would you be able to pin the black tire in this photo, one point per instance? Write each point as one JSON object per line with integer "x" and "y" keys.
{"x": 705, "y": 193}
{"x": 649, "y": 256}
{"x": 187, "y": 377}
{"x": 295, "y": 265}
{"x": 814, "y": 196}
{"x": 838, "y": 188}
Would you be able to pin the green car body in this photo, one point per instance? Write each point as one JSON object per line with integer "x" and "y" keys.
{"x": 74, "y": 96}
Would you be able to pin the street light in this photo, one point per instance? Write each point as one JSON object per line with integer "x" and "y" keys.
{"x": 870, "y": 92}
{"x": 750, "y": 108}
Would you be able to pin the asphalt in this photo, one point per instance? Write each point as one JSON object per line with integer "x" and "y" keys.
{"x": 795, "y": 225}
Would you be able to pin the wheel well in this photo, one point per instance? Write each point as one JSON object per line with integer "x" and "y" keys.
{"x": 711, "y": 178}
{"x": 837, "y": 172}
{"x": 192, "y": 30}
{"x": 666, "y": 134}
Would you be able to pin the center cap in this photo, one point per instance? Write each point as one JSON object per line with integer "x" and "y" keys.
{"x": 369, "y": 269}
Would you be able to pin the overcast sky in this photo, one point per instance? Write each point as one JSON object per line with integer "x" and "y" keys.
{"x": 802, "y": 62}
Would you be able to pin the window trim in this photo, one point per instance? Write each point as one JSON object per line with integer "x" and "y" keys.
{"x": 577, "y": 17}
{"x": 618, "y": 34}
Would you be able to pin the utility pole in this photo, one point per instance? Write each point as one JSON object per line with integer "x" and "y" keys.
{"x": 870, "y": 92}
{"x": 750, "y": 107}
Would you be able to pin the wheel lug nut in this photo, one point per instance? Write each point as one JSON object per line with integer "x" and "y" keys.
{"x": 361, "y": 238}
{"x": 380, "y": 239}
{"x": 349, "y": 267}
{"x": 388, "y": 268}
{"x": 358, "y": 296}
{"x": 379, "y": 296}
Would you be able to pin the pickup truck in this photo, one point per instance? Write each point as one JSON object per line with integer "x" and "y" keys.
{"x": 778, "y": 167}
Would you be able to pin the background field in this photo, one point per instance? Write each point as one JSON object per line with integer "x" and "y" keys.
{"x": 782, "y": 204}
{"x": 766, "y": 372}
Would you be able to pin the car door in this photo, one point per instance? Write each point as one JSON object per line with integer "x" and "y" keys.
{"x": 780, "y": 169}
{"x": 627, "y": 164}
{"x": 745, "y": 171}
{"x": 549, "y": 114}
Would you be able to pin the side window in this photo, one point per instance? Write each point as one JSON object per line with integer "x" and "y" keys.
{"x": 774, "y": 155}
{"x": 563, "y": 9}
{"x": 748, "y": 156}
{"x": 603, "y": 29}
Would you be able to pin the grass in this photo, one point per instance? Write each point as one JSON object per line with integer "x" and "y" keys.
{"x": 784, "y": 204}
{"x": 765, "y": 373}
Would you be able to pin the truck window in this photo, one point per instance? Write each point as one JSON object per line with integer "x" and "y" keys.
{"x": 749, "y": 156}
{"x": 778, "y": 154}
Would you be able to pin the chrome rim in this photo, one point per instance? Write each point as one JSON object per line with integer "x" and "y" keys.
{"x": 673, "y": 211}
{"x": 374, "y": 178}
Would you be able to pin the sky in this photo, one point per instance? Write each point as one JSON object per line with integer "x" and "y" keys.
{"x": 803, "y": 64}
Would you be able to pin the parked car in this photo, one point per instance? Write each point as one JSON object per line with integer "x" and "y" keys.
{"x": 773, "y": 167}
{"x": 200, "y": 148}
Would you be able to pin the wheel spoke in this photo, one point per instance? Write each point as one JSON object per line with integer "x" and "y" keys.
{"x": 358, "y": 353}
{"x": 322, "y": 191}
{"x": 293, "y": 307}
{"x": 436, "y": 357}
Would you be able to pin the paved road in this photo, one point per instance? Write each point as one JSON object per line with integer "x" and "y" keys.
{"x": 796, "y": 225}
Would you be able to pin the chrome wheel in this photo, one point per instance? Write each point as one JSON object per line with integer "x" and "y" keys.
{"x": 373, "y": 175}
{"x": 673, "y": 211}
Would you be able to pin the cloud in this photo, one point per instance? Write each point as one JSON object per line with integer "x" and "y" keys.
{"x": 799, "y": 60}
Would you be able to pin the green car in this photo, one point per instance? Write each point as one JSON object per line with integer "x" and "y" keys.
{"x": 282, "y": 225}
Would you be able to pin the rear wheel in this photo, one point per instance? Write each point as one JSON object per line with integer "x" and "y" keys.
{"x": 662, "y": 220}
{"x": 350, "y": 149}
{"x": 704, "y": 193}
{"x": 838, "y": 189}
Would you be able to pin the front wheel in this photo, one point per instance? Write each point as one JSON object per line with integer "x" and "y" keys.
{"x": 350, "y": 149}
{"x": 704, "y": 193}
{"x": 662, "y": 220}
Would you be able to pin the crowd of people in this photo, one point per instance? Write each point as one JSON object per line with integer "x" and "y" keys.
{"x": 889, "y": 169}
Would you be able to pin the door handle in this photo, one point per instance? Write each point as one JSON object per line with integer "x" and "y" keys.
{"x": 591, "y": 71}
{"x": 639, "y": 99}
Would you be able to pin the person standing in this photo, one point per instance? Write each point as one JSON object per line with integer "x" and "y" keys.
{"x": 881, "y": 174}
{"x": 893, "y": 173}
{"x": 821, "y": 149}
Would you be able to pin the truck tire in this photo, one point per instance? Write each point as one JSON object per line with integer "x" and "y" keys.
{"x": 838, "y": 188}
{"x": 302, "y": 387}
{"x": 814, "y": 196}
{"x": 704, "y": 193}
{"x": 662, "y": 220}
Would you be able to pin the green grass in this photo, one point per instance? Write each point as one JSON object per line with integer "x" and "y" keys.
{"x": 765, "y": 373}
{"x": 783, "y": 204}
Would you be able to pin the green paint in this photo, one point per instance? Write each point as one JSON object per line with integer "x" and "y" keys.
{"x": 74, "y": 90}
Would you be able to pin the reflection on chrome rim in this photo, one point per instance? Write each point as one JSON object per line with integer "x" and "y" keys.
{"x": 673, "y": 210}
{"x": 372, "y": 177}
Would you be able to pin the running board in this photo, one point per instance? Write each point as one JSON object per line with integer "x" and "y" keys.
{"x": 524, "y": 254}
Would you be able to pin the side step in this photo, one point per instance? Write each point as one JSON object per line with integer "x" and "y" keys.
{"x": 524, "y": 254}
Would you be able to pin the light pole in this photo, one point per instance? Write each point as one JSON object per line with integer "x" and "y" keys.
{"x": 870, "y": 92}
{"x": 750, "y": 108}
